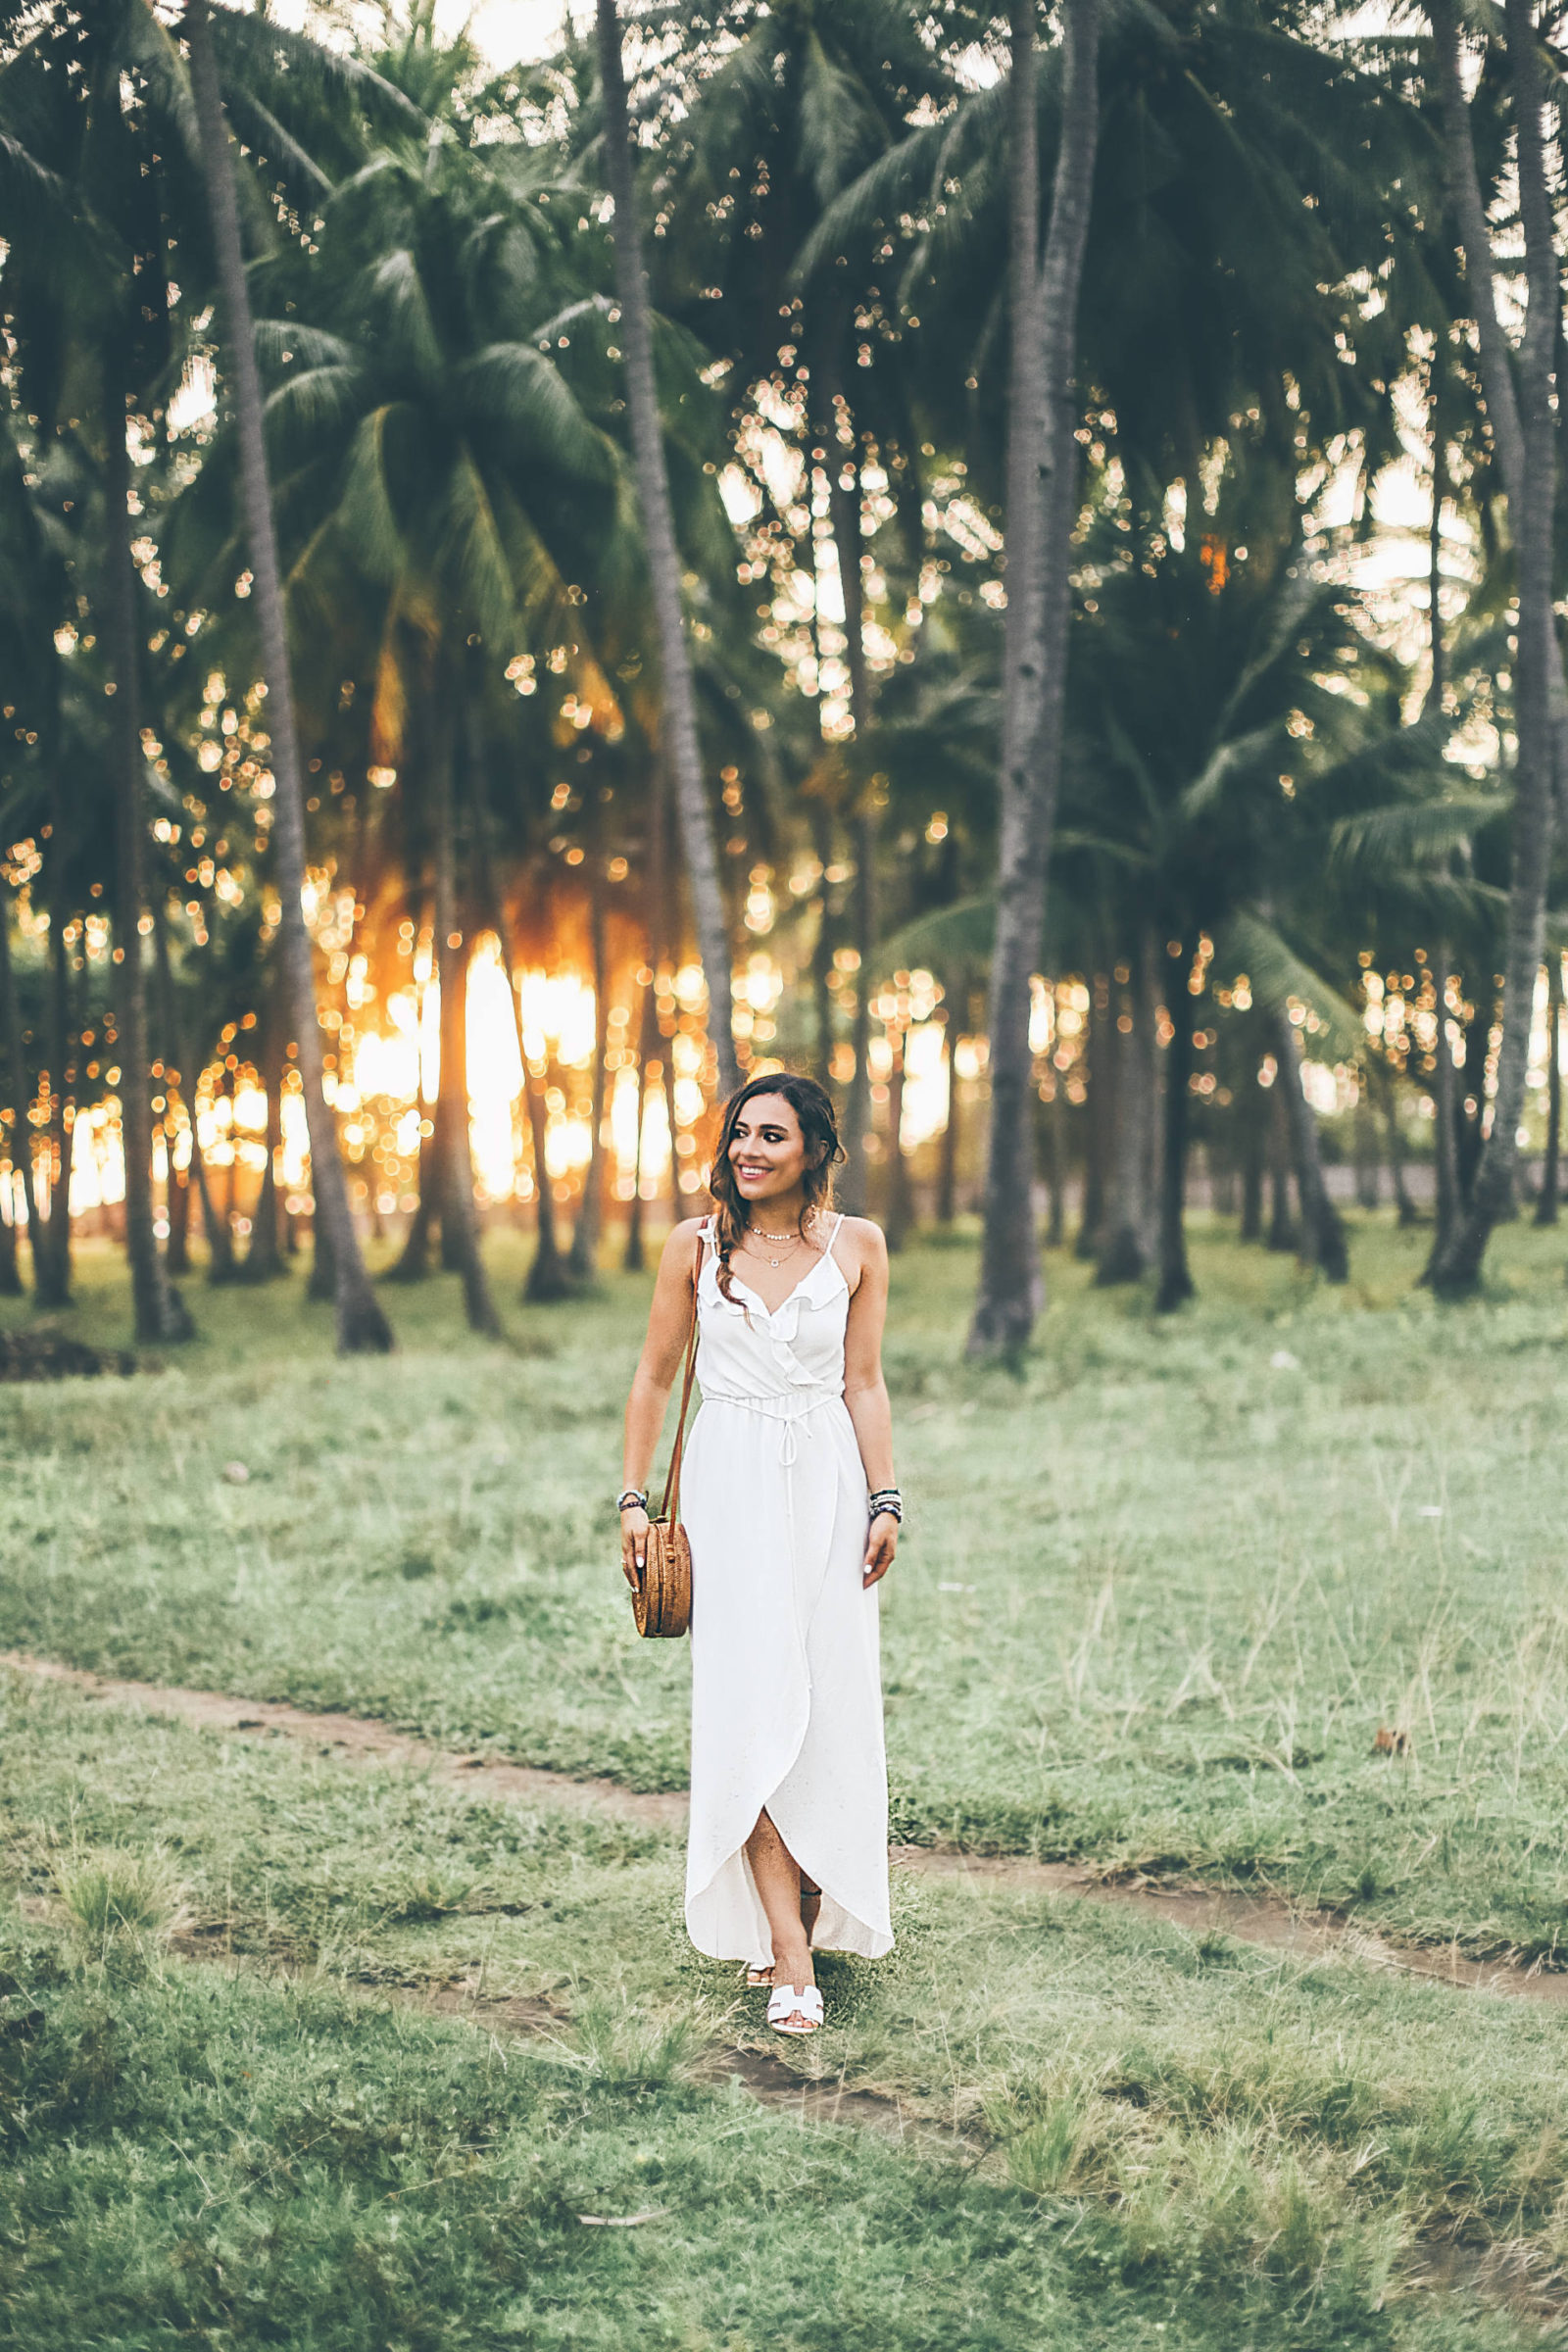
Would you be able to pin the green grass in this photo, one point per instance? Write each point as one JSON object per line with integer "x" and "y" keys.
{"x": 1158, "y": 1595}
{"x": 1163, "y": 2138}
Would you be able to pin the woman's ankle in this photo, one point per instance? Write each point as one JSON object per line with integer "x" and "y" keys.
{"x": 792, "y": 1965}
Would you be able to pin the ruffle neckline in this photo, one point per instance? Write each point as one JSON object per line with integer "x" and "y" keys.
{"x": 781, "y": 1324}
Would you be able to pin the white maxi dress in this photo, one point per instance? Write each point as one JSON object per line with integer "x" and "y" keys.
{"x": 786, "y": 1679}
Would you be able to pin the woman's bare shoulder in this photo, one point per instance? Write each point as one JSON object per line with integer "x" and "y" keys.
{"x": 861, "y": 1239}
{"x": 682, "y": 1242}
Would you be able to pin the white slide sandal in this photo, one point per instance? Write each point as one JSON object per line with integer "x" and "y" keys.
{"x": 791, "y": 2001}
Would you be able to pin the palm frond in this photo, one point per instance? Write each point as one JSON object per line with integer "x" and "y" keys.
{"x": 472, "y": 556}
{"x": 1398, "y": 759}
{"x": 400, "y": 294}
{"x": 1395, "y": 842}
{"x": 1242, "y": 754}
{"x": 368, "y": 511}
{"x": 260, "y": 128}
{"x": 259, "y": 50}
{"x": 314, "y": 401}
{"x": 1250, "y": 943}
{"x": 516, "y": 387}
{"x": 959, "y": 934}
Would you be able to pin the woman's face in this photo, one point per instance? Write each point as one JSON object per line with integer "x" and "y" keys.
{"x": 768, "y": 1153}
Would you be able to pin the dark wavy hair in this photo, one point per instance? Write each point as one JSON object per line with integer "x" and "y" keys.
{"x": 812, "y": 1105}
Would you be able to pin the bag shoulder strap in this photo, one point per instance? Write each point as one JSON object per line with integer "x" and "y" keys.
{"x": 669, "y": 1508}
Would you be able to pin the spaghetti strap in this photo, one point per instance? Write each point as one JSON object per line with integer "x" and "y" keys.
{"x": 833, "y": 1235}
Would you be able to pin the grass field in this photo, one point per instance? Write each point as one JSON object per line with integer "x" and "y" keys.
{"x": 1159, "y": 1593}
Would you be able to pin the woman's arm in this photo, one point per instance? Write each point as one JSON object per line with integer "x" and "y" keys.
{"x": 669, "y": 1323}
{"x": 865, "y": 1391}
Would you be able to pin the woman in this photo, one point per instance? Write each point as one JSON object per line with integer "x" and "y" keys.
{"x": 788, "y": 1501}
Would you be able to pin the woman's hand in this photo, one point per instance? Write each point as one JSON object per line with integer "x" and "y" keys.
{"x": 633, "y": 1545}
{"x": 881, "y": 1544}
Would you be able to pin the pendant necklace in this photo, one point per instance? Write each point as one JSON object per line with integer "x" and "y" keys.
{"x": 755, "y": 1231}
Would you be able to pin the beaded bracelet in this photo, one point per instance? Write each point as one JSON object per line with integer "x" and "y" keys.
{"x": 634, "y": 1498}
{"x": 889, "y": 1500}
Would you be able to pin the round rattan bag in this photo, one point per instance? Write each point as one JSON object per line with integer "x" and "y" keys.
{"x": 662, "y": 1597}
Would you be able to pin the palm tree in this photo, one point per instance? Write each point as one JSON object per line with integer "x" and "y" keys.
{"x": 1524, "y": 424}
{"x": 458, "y": 1221}
{"x": 362, "y": 1326}
{"x": 767, "y": 143}
{"x": 1215, "y": 765}
{"x": 437, "y": 463}
{"x": 1042, "y": 506}
{"x": 98, "y": 321}
{"x": 1546, "y": 1204}
{"x": 160, "y": 1315}
{"x": 682, "y": 747}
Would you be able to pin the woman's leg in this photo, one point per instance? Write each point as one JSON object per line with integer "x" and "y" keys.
{"x": 777, "y": 1874}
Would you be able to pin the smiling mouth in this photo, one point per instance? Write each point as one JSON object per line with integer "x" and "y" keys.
{"x": 749, "y": 1173}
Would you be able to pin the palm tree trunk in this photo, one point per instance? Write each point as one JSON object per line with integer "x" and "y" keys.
{"x": 459, "y": 1225}
{"x": 1445, "y": 1185}
{"x": 1101, "y": 1126}
{"x": 855, "y": 1187}
{"x": 1054, "y": 1153}
{"x": 1550, "y": 1186}
{"x": 221, "y": 1264}
{"x": 1469, "y": 1127}
{"x": 10, "y": 1271}
{"x": 583, "y": 1257}
{"x": 948, "y": 1164}
{"x": 176, "y": 1250}
{"x": 547, "y": 1278}
{"x": 180, "y": 1046}
{"x": 1468, "y": 207}
{"x": 171, "y": 1046}
{"x": 657, "y": 869}
{"x": 821, "y": 818}
{"x": 1041, "y": 499}
{"x": 264, "y": 1259}
{"x": 1124, "y": 1253}
{"x": 1283, "y": 1231}
{"x": 1322, "y": 1232}
{"x": 17, "y": 1091}
{"x": 634, "y": 1255}
{"x": 413, "y": 1260}
{"x": 1254, "y": 1136}
{"x": 1408, "y": 1214}
{"x": 1381, "y": 1091}
{"x": 362, "y": 1326}
{"x": 1366, "y": 1159}
{"x": 1538, "y": 668}
{"x": 232, "y": 1173}
{"x": 900, "y": 1207}
{"x": 681, "y": 744}
{"x": 1447, "y": 1192}
{"x": 53, "y": 1267}
{"x": 1175, "y": 1275}
{"x": 677, "y": 1198}
{"x": 161, "y": 1316}
{"x": 843, "y": 516}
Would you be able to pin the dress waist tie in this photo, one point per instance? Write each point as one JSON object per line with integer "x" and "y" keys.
{"x": 789, "y": 1409}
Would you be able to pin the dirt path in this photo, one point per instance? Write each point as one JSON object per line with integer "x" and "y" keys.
{"x": 1251, "y": 1919}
